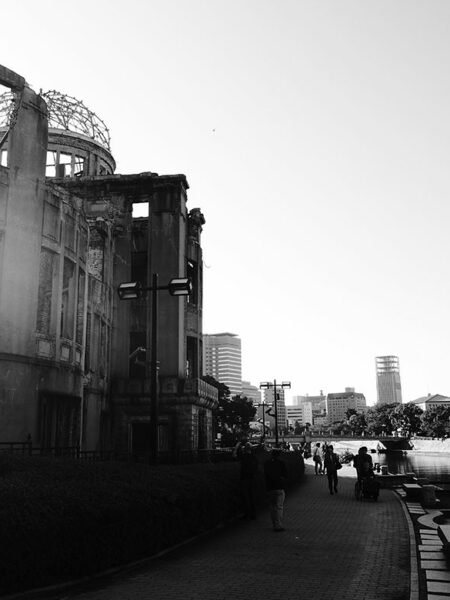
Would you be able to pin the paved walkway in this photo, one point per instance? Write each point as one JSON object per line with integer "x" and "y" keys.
{"x": 334, "y": 547}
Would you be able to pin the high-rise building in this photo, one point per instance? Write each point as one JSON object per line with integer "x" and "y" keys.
{"x": 251, "y": 392}
{"x": 389, "y": 389}
{"x": 222, "y": 360}
{"x": 281, "y": 406}
{"x": 339, "y": 403}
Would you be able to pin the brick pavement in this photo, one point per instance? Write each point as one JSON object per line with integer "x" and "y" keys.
{"x": 334, "y": 547}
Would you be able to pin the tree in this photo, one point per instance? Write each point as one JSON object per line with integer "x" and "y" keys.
{"x": 357, "y": 423}
{"x": 233, "y": 415}
{"x": 436, "y": 422}
{"x": 379, "y": 419}
{"x": 406, "y": 419}
{"x": 298, "y": 429}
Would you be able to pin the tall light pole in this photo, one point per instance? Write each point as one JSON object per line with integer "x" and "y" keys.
{"x": 131, "y": 291}
{"x": 263, "y": 404}
{"x": 265, "y": 385}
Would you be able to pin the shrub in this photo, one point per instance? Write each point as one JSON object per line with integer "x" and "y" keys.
{"x": 63, "y": 519}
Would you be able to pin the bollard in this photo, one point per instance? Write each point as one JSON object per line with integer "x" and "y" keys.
{"x": 384, "y": 470}
{"x": 428, "y": 496}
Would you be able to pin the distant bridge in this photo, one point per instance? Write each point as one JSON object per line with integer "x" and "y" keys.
{"x": 391, "y": 443}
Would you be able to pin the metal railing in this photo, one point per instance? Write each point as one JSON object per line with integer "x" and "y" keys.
{"x": 75, "y": 452}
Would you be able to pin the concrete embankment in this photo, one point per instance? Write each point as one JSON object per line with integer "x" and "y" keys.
{"x": 430, "y": 445}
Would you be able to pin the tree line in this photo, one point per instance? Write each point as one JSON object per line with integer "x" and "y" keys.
{"x": 404, "y": 419}
{"x": 233, "y": 415}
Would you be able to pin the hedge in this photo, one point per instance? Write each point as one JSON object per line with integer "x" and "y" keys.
{"x": 64, "y": 519}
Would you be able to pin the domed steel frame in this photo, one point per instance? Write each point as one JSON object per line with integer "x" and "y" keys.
{"x": 65, "y": 113}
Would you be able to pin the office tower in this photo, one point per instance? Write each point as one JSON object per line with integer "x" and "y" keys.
{"x": 339, "y": 403}
{"x": 389, "y": 389}
{"x": 222, "y": 360}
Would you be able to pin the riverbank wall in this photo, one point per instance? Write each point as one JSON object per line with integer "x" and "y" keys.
{"x": 430, "y": 445}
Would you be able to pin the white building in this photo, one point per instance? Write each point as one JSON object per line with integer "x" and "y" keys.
{"x": 301, "y": 412}
{"x": 222, "y": 360}
{"x": 432, "y": 401}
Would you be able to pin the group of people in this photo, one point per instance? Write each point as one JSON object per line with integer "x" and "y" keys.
{"x": 326, "y": 461}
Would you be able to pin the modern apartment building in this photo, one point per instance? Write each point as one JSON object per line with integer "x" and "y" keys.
{"x": 339, "y": 403}
{"x": 389, "y": 389}
{"x": 222, "y": 359}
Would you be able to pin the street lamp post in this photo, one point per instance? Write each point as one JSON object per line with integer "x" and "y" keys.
{"x": 131, "y": 291}
{"x": 263, "y": 404}
{"x": 269, "y": 385}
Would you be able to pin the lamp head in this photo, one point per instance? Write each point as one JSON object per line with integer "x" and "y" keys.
{"x": 180, "y": 287}
{"x": 130, "y": 290}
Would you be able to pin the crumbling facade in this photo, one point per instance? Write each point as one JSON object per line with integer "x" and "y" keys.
{"x": 74, "y": 359}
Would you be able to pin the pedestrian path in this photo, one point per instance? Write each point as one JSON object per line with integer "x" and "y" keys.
{"x": 334, "y": 547}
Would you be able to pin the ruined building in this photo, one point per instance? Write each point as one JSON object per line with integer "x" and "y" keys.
{"x": 74, "y": 359}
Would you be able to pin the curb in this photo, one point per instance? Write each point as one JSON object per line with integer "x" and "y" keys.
{"x": 414, "y": 593}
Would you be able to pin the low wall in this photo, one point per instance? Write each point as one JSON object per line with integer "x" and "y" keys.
{"x": 430, "y": 445}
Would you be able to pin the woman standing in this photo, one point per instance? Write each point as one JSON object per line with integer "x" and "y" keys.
{"x": 332, "y": 464}
{"x": 317, "y": 458}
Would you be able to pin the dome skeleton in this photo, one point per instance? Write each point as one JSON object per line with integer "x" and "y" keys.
{"x": 64, "y": 112}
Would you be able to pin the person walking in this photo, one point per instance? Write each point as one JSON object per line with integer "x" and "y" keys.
{"x": 324, "y": 451}
{"x": 275, "y": 473}
{"x": 317, "y": 458}
{"x": 332, "y": 464}
{"x": 248, "y": 471}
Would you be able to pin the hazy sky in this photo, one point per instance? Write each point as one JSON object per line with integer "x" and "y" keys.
{"x": 315, "y": 136}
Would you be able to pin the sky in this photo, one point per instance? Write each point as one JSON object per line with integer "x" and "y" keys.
{"x": 315, "y": 137}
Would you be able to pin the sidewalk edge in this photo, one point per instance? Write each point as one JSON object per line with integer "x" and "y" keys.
{"x": 414, "y": 577}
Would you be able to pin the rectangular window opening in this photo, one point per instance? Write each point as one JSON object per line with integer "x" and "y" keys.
{"x": 140, "y": 209}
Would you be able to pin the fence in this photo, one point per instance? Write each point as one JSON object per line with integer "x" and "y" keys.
{"x": 75, "y": 452}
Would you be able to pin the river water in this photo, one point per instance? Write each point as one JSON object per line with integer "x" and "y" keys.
{"x": 434, "y": 466}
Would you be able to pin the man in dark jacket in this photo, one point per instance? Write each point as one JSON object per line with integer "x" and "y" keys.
{"x": 275, "y": 472}
{"x": 249, "y": 469}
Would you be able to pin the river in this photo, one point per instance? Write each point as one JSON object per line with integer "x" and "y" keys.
{"x": 435, "y": 466}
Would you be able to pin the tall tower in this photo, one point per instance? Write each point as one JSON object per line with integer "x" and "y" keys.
{"x": 389, "y": 389}
{"x": 222, "y": 360}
